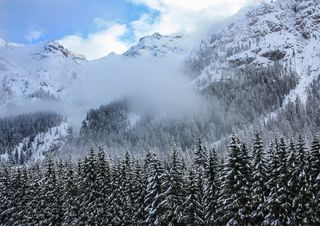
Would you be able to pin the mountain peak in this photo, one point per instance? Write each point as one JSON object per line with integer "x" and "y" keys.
{"x": 54, "y": 47}
{"x": 157, "y": 45}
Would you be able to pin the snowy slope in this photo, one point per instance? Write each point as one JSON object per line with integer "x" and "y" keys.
{"x": 44, "y": 143}
{"x": 36, "y": 71}
{"x": 284, "y": 32}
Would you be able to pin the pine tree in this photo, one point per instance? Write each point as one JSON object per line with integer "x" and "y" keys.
{"x": 138, "y": 194}
{"x": 259, "y": 179}
{"x": 116, "y": 197}
{"x": 59, "y": 187}
{"x": 302, "y": 196}
{"x": 34, "y": 207}
{"x": 89, "y": 190}
{"x": 49, "y": 193}
{"x": 292, "y": 172}
{"x": 23, "y": 198}
{"x": 245, "y": 200}
{"x": 174, "y": 190}
{"x": 127, "y": 189}
{"x": 154, "y": 192}
{"x": 314, "y": 172}
{"x": 6, "y": 193}
{"x": 192, "y": 214}
{"x": 200, "y": 155}
{"x": 103, "y": 186}
{"x": 19, "y": 200}
{"x": 235, "y": 201}
{"x": 69, "y": 206}
{"x": 211, "y": 192}
{"x": 278, "y": 203}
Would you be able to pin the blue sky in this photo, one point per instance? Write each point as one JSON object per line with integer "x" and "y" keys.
{"x": 58, "y": 18}
{"x": 95, "y": 28}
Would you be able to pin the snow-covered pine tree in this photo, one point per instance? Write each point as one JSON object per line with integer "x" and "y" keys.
{"x": 70, "y": 192}
{"x": 259, "y": 179}
{"x": 314, "y": 172}
{"x": 61, "y": 174}
{"x": 34, "y": 207}
{"x": 174, "y": 190}
{"x": 292, "y": 171}
{"x": 19, "y": 199}
{"x": 302, "y": 196}
{"x": 6, "y": 193}
{"x": 278, "y": 203}
{"x": 89, "y": 190}
{"x": 212, "y": 185}
{"x": 234, "y": 200}
{"x": 23, "y": 198}
{"x": 243, "y": 216}
{"x": 200, "y": 154}
{"x": 154, "y": 192}
{"x": 192, "y": 210}
{"x": 116, "y": 209}
{"x": 104, "y": 187}
{"x": 78, "y": 180}
{"x": 138, "y": 193}
{"x": 49, "y": 214}
{"x": 127, "y": 189}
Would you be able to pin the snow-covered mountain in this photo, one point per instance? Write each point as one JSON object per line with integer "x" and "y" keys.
{"x": 281, "y": 32}
{"x": 36, "y": 71}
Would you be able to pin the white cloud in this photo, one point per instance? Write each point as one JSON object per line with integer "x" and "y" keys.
{"x": 189, "y": 16}
{"x": 192, "y": 17}
{"x": 34, "y": 35}
{"x": 98, "y": 44}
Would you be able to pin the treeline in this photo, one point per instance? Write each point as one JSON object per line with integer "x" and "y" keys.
{"x": 274, "y": 185}
{"x": 15, "y": 128}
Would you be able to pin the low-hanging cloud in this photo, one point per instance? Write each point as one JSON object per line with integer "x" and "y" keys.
{"x": 152, "y": 86}
{"x": 98, "y": 44}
